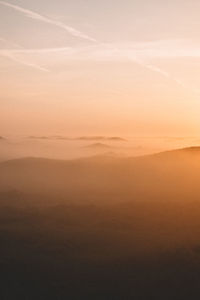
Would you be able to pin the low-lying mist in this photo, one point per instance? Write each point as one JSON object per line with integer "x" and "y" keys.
{"x": 102, "y": 227}
{"x": 67, "y": 148}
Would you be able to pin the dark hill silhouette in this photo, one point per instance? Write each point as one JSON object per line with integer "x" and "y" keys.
{"x": 98, "y": 146}
{"x": 81, "y": 138}
{"x": 102, "y": 138}
{"x": 101, "y": 228}
{"x": 178, "y": 153}
{"x": 108, "y": 177}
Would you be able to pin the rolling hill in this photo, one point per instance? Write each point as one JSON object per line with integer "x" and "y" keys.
{"x": 101, "y": 228}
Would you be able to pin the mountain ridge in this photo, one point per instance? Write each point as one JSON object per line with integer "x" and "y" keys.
{"x": 186, "y": 150}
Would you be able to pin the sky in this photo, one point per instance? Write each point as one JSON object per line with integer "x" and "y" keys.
{"x": 92, "y": 67}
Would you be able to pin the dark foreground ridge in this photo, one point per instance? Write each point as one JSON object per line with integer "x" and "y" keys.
{"x": 101, "y": 228}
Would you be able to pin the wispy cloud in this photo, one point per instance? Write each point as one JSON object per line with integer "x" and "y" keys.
{"x": 11, "y": 54}
{"x": 36, "y": 16}
{"x": 134, "y": 50}
{"x": 9, "y": 43}
{"x": 23, "y": 62}
{"x": 138, "y": 53}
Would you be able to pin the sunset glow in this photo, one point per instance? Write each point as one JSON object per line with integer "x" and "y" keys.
{"x": 93, "y": 67}
{"x": 99, "y": 149}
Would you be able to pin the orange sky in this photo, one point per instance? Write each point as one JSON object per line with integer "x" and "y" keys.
{"x": 91, "y": 67}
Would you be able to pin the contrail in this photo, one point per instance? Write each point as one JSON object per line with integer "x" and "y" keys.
{"x": 25, "y": 63}
{"x": 11, "y": 54}
{"x": 12, "y": 57}
{"x": 6, "y": 42}
{"x": 33, "y": 15}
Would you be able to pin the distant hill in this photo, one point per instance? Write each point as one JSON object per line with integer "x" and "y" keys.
{"x": 102, "y": 138}
{"x": 172, "y": 175}
{"x": 103, "y": 227}
{"x": 187, "y": 150}
{"x": 81, "y": 138}
{"x": 98, "y": 146}
{"x": 117, "y": 139}
{"x": 180, "y": 154}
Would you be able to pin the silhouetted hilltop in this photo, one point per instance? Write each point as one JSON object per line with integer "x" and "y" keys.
{"x": 117, "y": 139}
{"x": 179, "y": 152}
{"x": 98, "y": 146}
{"x": 108, "y": 178}
{"x": 102, "y": 138}
{"x": 174, "y": 156}
{"x": 102, "y": 227}
{"x": 80, "y": 138}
